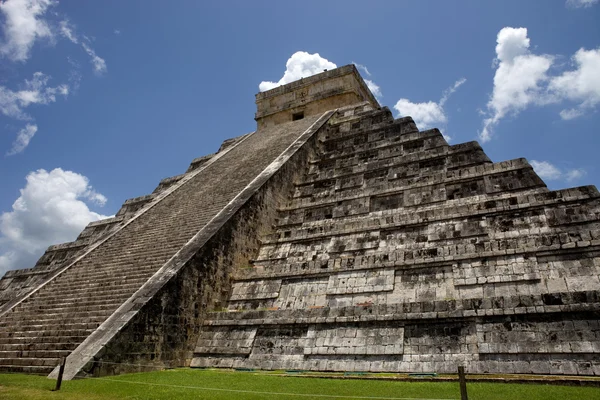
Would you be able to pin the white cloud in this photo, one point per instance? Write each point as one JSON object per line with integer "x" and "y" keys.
{"x": 24, "y": 24}
{"x": 51, "y": 209}
{"x": 570, "y": 113}
{"x": 581, "y": 85}
{"x": 300, "y": 65}
{"x": 523, "y": 79}
{"x": 117, "y": 32}
{"x": 14, "y": 103}
{"x": 374, "y": 88}
{"x": 362, "y": 68}
{"x": 98, "y": 63}
{"x": 22, "y": 140}
{"x": 518, "y": 79}
{"x": 34, "y": 91}
{"x": 428, "y": 114}
{"x": 574, "y": 174}
{"x": 448, "y": 92}
{"x": 580, "y": 3}
{"x": 67, "y": 31}
{"x": 548, "y": 171}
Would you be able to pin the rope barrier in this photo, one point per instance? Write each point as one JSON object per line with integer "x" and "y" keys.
{"x": 162, "y": 367}
{"x": 330, "y": 396}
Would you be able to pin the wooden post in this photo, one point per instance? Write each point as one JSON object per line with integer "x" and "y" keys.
{"x": 463, "y": 383}
{"x": 61, "y": 370}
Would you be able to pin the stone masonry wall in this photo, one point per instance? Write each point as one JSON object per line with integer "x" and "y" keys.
{"x": 398, "y": 252}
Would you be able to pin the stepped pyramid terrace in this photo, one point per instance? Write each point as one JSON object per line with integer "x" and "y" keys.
{"x": 333, "y": 238}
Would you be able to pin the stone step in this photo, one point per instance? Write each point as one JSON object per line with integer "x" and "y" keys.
{"x": 101, "y": 279}
{"x": 83, "y": 298}
{"x": 444, "y": 157}
{"x": 8, "y": 354}
{"x": 16, "y": 363}
{"x": 64, "y": 346}
{"x": 54, "y": 314}
{"x": 381, "y": 144}
{"x": 58, "y": 309}
{"x": 89, "y": 289}
{"x": 54, "y": 329}
{"x": 26, "y": 340}
{"x": 106, "y": 271}
{"x": 28, "y": 369}
{"x": 58, "y": 318}
{"x": 59, "y": 313}
{"x": 366, "y": 140}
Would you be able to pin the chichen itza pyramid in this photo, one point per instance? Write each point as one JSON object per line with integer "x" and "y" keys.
{"x": 333, "y": 238}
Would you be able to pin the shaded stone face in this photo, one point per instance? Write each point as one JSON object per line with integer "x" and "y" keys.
{"x": 398, "y": 252}
{"x": 329, "y": 239}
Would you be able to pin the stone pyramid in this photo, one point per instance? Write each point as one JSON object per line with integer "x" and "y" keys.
{"x": 333, "y": 238}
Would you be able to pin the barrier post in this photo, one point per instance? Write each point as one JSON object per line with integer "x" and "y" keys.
{"x": 61, "y": 370}
{"x": 463, "y": 383}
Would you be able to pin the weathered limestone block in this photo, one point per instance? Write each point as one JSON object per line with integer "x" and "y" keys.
{"x": 302, "y": 294}
{"x": 556, "y": 335}
{"x": 254, "y": 290}
{"x": 226, "y": 341}
{"x": 361, "y": 282}
{"x": 353, "y": 339}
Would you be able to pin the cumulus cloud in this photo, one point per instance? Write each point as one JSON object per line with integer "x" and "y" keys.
{"x": 580, "y": 3}
{"x": 22, "y": 140}
{"x": 24, "y": 24}
{"x": 581, "y": 85}
{"x": 523, "y": 79}
{"x": 518, "y": 79}
{"x": 300, "y": 65}
{"x": 52, "y": 208}
{"x": 428, "y": 114}
{"x": 548, "y": 171}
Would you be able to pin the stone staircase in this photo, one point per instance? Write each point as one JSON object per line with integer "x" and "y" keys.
{"x": 58, "y": 316}
{"x": 398, "y": 252}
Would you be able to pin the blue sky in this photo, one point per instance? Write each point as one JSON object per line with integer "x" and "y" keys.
{"x": 101, "y": 100}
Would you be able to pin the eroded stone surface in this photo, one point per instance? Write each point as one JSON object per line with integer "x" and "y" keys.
{"x": 440, "y": 256}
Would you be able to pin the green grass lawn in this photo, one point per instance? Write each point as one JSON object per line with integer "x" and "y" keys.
{"x": 223, "y": 384}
